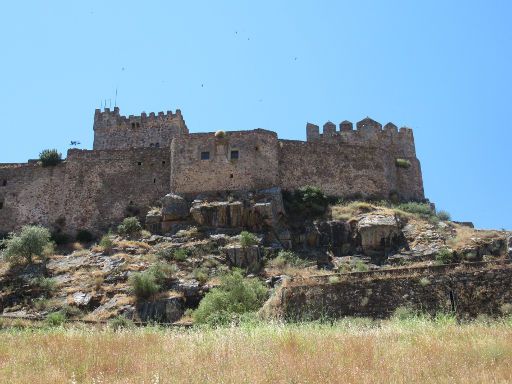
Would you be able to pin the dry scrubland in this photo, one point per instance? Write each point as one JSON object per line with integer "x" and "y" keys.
{"x": 398, "y": 351}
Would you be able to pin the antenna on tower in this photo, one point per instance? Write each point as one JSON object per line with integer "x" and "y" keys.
{"x": 115, "y": 100}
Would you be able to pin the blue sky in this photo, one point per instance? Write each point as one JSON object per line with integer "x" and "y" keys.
{"x": 440, "y": 67}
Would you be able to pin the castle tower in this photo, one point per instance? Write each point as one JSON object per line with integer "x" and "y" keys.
{"x": 113, "y": 131}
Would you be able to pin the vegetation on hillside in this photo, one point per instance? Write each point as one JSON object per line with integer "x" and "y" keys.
{"x": 31, "y": 242}
{"x": 50, "y": 157}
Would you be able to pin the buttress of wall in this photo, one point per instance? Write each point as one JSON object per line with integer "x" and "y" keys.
{"x": 91, "y": 189}
{"x": 113, "y": 131}
{"x": 244, "y": 160}
{"x": 347, "y": 170}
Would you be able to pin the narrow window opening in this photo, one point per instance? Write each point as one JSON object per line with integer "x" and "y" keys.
{"x": 133, "y": 125}
{"x": 1, "y": 204}
{"x": 139, "y": 163}
{"x": 138, "y": 125}
{"x": 234, "y": 155}
{"x": 4, "y": 183}
{"x": 205, "y": 155}
{"x": 163, "y": 162}
{"x": 231, "y": 176}
{"x": 154, "y": 181}
{"x": 257, "y": 148}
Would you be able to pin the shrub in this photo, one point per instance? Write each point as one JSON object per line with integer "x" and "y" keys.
{"x": 120, "y": 322}
{"x": 201, "y": 275}
{"x": 32, "y": 241}
{"x": 404, "y": 313}
{"x": 445, "y": 256}
{"x": 416, "y": 208}
{"x": 162, "y": 272}
{"x": 289, "y": 258}
{"x": 144, "y": 285}
{"x": 235, "y": 296}
{"x": 307, "y": 201}
{"x": 106, "y": 243}
{"x": 56, "y": 319}
{"x": 424, "y": 282}
{"x": 44, "y": 284}
{"x": 403, "y": 163}
{"x": 247, "y": 239}
{"x": 129, "y": 227}
{"x": 84, "y": 236}
{"x": 180, "y": 254}
{"x": 443, "y": 215}
{"x": 361, "y": 266}
{"x": 334, "y": 279}
{"x": 50, "y": 157}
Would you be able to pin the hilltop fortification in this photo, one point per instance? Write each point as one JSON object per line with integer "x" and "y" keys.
{"x": 138, "y": 159}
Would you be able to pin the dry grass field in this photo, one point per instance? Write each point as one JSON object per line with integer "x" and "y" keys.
{"x": 350, "y": 351}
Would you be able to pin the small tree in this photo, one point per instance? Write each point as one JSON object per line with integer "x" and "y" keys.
{"x": 32, "y": 241}
{"x": 50, "y": 157}
{"x": 247, "y": 239}
{"x": 129, "y": 227}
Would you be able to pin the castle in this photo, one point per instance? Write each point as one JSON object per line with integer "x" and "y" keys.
{"x": 136, "y": 160}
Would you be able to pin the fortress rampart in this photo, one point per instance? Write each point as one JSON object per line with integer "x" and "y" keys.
{"x": 136, "y": 160}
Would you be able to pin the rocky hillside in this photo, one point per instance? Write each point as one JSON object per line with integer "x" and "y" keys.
{"x": 268, "y": 237}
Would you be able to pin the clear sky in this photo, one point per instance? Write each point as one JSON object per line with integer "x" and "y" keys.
{"x": 440, "y": 67}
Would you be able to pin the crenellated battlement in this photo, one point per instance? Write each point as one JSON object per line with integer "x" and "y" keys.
{"x": 115, "y": 131}
{"x": 368, "y": 133}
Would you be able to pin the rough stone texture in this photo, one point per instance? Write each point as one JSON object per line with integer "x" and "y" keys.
{"x": 250, "y": 258}
{"x": 174, "y": 207}
{"x": 510, "y": 247}
{"x": 468, "y": 290}
{"x": 163, "y": 310}
{"x": 113, "y": 131}
{"x": 127, "y": 172}
{"x": 378, "y": 231}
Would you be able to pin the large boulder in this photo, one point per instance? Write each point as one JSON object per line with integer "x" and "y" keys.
{"x": 166, "y": 310}
{"x": 174, "y": 207}
{"x": 250, "y": 257}
{"x": 378, "y": 232}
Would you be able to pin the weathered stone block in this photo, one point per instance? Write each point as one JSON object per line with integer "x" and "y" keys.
{"x": 250, "y": 258}
{"x": 174, "y": 207}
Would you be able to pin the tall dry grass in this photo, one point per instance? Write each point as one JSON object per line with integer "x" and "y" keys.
{"x": 348, "y": 352}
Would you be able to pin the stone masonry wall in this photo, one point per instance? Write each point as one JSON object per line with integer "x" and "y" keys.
{"x": 468, "y": 290}
{"x": 347, "y": 170}
{"x": 91, "y": 189}
{"x": 255, "y": 168}
{"x": 113, "y": 131}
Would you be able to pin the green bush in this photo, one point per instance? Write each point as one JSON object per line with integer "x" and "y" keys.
{"x": 416, "y": 208}
{"x": 403, "y": 163}
{"x": 50, "y": 157}
{"x": 56, "y": 319}
{"x": 201, "y": 275}
{"x": 443, "y": 215}
{"x": 45, "y": 284}
{"x": 177, "y": 254}
{"x": 84, "y": 236}
{"x": 235, "y": 296}
{"x": 129, "y": 227}
{"x": 120, "y": 322}
{"x": 144, "y": 284}
{"x": 307, "y": 201}
{"x": 361, "y": 266}
{"x": 445, "y": 256}
{"x": 106, "y": 243}
{"x": 32, "y": 241}
{"x": 247, "y": 239}
{"x": 162, "y": 272}
{"x": 289, "y": 258}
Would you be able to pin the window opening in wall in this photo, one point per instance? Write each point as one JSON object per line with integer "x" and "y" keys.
{"x": 205, "y": 155}
{"x": 138, "y": 125}
{"x": 133, "y": 125}
{"x": 157, "y": 145}
{"x": 234, "y": 155}
{"x": 139, "y": 163}
{"x": 231, "y": 176}
{"x": 154, "y": 181}
{"x": 1, "y": 204}
{"x": 257, "y": 148}
{"x": 4, "y": 183}
{"x": 163, "y": 162}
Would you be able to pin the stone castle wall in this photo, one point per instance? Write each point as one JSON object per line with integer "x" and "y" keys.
{"x": 91, "y": 189}
{"x": 138, "y": 159}
{"x": 255, "y": 166}
{"x": 113, "y": 131}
